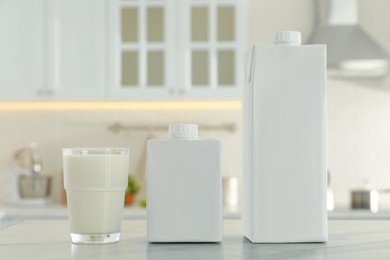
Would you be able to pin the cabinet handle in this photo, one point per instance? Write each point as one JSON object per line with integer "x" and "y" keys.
{"x": 181, "y": 91}
{"x": 39, "y": 92}
{"x": 44, "y": 92}
{"x": 171, "y": 91}
{"x": 49, "y": 92}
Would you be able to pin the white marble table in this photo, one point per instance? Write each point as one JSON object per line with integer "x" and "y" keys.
{"x": 49, "y": 239}
{"x": 12, "y": 214}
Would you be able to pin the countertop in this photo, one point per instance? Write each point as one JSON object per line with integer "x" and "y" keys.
{"x": 10, "y": 214}
{"x": 56, "y": 211}
{"x": 49, "y": 239}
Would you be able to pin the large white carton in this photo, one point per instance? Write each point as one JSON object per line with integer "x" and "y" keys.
{"x": 284, "y": 179}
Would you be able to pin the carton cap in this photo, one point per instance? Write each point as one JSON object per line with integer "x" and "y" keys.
{"x": 183, "y": 131}
{"x": 288, "y": 38}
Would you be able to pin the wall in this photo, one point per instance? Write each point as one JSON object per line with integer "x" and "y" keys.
{"x": 358, "y": 110}
{"x": 358, "y": 113}
{"x": 54, "y": 129}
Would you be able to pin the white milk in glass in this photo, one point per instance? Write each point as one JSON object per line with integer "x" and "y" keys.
{"x": 95, "y": 186}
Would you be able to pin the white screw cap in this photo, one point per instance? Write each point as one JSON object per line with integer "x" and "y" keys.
{"x": 288, "y": 38}
{"x": 183, "y": 131}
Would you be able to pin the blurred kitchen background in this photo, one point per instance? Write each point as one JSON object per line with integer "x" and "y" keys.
{"x": 77, "y": 73}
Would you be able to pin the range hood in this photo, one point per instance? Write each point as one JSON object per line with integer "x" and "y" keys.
{"x": 351, "y": 51}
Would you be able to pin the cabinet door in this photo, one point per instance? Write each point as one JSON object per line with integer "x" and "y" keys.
{"x": 77, "y": 36}
{"x": 22, "y": 55}
{"x": 177, "y": 49}
{"x": 214, "y": 43}
{"x": 142, "y": 49}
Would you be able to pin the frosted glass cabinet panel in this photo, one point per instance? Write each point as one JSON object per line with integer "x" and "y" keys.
{"x": 226, "y": 75}
{"x": 199, "y": 23}
{"x": 130, "y": 68}
{"x": 200, "y": 68}
{"x": 225, "y": 23}
{"x": 155, "y": 68}
{"x": 129, "y": 24}
{"x": 155, "y": 24}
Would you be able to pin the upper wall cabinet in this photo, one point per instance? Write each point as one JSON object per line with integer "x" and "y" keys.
{"x": 121, "y": 49}
{"x": 177, "y": 49}
{"x": 53, "y": 49}
{"x": 22, "y": 49}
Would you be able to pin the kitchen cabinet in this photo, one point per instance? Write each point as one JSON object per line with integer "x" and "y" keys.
{"x": 22, "y": 49}
{"x": 117, "y": 49}
{"x": 177, "y": 49}
{"x": 53, "y": 49}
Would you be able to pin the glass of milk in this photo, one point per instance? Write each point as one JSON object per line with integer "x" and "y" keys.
{"x": 95, "y": 180}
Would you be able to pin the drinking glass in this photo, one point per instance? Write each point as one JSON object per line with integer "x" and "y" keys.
{"x": 95, "y": 180}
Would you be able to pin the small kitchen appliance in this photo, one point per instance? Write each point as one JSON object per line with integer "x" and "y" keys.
{"x": 25, "y": 183}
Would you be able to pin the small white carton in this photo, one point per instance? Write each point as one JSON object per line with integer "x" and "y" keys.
{"x": 184, "y": 187}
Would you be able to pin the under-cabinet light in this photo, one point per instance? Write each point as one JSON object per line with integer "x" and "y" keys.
{"x": 131, "y": 105}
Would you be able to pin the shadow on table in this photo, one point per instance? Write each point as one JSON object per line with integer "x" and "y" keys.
{"x": 186, "y": 251}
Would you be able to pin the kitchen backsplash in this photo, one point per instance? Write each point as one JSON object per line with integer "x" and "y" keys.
{"x": 359, "y": 137}
{"x": 358, "y": 121}
{"x": 53, "y": 130}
